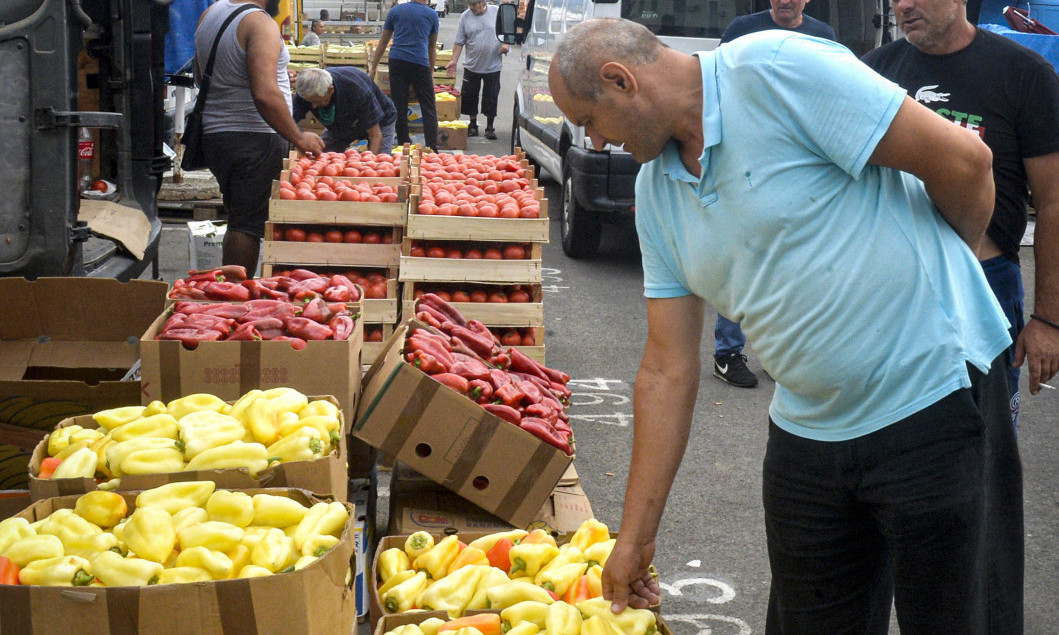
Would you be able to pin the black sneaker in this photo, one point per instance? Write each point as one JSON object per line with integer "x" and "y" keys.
{"x": 490, "y": 134}
{"x": 472, "y": 131}
{"x": 732, "y": 369}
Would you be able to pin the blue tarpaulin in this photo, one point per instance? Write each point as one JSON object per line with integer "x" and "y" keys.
{"x": 180, "y": 40}
{"x": 1046, "y": 45}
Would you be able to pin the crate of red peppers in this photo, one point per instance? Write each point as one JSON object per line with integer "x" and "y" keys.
{"x": 230, "y": 284}
{"x": 487, "y": 422}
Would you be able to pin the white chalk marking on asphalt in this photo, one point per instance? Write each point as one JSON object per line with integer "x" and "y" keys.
{"x": 695, "y": 563}
{"x": 676, "y": 589}
{"x": 597, "y": 383}
{"x": 706, "y": 629}
{"x": 621, "y": 419}
{"x": 596, "y": 399}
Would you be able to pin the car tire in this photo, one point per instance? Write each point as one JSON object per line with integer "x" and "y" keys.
{"x": 580, "y": 229}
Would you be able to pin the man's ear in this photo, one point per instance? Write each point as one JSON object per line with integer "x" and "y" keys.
{"x": 618, "y": 76}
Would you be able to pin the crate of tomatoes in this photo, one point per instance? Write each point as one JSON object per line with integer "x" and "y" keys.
{"x": 500, "y": 305}
{"x": 470, "y": 261}
{"x": 319, "y": 244}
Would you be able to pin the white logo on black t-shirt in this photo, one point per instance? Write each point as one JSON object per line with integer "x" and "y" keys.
{"x": 927, "y": 95}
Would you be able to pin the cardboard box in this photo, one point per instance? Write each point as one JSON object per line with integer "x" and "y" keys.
{"x": 448, "y": 109}
{"x": 65, "y": 350}
{"x": 231, "y": 369}
{"x": 205, "y": 242}
{"x": 453, "y": 441}
{"x": 452, "y": 138}
{"x": 324, "y": 476}
{"x": 316, "y": 599}
{"x": 13, "y": 501}
{"x": 362, "y": 497}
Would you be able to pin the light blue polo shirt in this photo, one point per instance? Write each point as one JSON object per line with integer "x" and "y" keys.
{"x": 860, "y": 300}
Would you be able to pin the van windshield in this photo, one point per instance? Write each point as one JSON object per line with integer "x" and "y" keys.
{"x": 678, "y": 18}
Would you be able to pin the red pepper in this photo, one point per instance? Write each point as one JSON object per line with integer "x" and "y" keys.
{"x": 265, "y": 323}
{"x": 435, "y": 302}
{"x": 498, "y": 378}
{"x": 520, "y": 362}
{"x": 469, "y": 367}
{"x": 296, "y": 342}
{"x": 342, "y": 282}
{"x": 561, "y": 391}
{"x": 47, "y": 467}
{"x": 301, "y": 274}
{"x": 480, "y": 391}
{"x": 233, "y": 273}
{"x": 227, "y": 291}
{"x": 507, "y": 413}
{"x": 542, "y": 411}
{"x": 189, "y": 292}
{"x": 533, "y": 392}
{"x": 457, "y": 383}
{"x": 540, "y": 429}
{"x": 244, "y": 333}
{"x": 8, "y": 571}
{"x": 499, "y": 555}
{"x": 342, "y": 325}
{"x": 480, "y": 343}
{"x": 272, "y": 283}
{"x": 428, "y": 319}
{"x": 280, "y": 311}
{"x": 223, "y": 326}
{"x": 187, "y": 308}
{"x": 203, "y": 275}
{"x": 443, "y": 323}
{"x": 509, "y": 395}
{"x": 190, "y": 337}
{"x": 226, "y": 310}
{"x": 258, "y": 289}
{"x": 317, "y": 311}
{"x": 338, "y": 294}
{"x": 419, "y": 341}
{"x": 254, "y": 305}
{"x": 500, "y": 360}
{"x": 425, "y": 362}
{"x": 308, "y": 329}
{"x": 316, "y": 285}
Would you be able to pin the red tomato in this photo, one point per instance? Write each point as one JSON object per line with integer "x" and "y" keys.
{"x": 373, "y": 335}
{"x": 333, "y": 236}
{"x": 460, "y": 296}
{"x": 497, "y": 296}
{"x": 509, "y": 211}
{"x": 314, "y": 237}
{"x": 294, "y": 234}
{"x": 428, "y": 209}
{"x": 287, "y": 195}
{"x": 277, "y": 233}
{"x": 376, "y": 291}
{"x": 331, "y": 170}
{"x": 467, "y": 209}
{"x": 326, "y": 195}
{"x": 350, "y": 195}
{"x": 479, "y": 296}
{"x": 454, "y": 253}
{"x": 371, "y": 238}
{"x": 511, "y": 337}
{"x": 493, "y": 254}
{"x": 473, "y": 254}
{"x": 514, "y": 252}
{"x": 444, "y": 295}
{"x": 352, "y": 236}
{"x": 417, "y": 252}
{"x": 518, "y": 295}
{"x": 529, "y": 338}
{"x": 306, "y": 195}
{"x": 435, "y": 252}
{"x": 387, "y": 239}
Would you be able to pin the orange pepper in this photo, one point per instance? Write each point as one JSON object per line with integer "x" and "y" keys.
{"x": 486, "y": 623}
{"x": 47, "y": 467}
{"x": 538, "y": 536}
{"x": 9, "y": 571}
{"x": 578, "y": 591}
{"x": 498, "y": 555}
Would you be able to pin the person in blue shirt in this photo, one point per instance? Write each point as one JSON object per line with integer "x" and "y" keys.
{"x": 413, "y": 27}
{"x": 837, "y": 220}
{"x": 729, "y": 362}
{"x": 349, "y": 105}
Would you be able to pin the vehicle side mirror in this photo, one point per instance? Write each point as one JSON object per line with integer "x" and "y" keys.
{"x": 511, "y": 21}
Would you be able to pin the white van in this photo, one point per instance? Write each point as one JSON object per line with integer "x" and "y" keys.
{"x": 597, "y": 185}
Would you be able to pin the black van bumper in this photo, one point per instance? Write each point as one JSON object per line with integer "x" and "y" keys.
{"x": 603, "y": 181}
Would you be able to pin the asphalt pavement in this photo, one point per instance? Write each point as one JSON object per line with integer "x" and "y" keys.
{"x": 711, "y": 544}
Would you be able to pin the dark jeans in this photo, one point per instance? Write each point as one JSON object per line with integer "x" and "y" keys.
{"x": 472, "y": 82}
{"x": 402, "y": 75}
{"x": 1005, "y": 279}
{"x": 906, "y": 512}
{"x": 244, "y": 164}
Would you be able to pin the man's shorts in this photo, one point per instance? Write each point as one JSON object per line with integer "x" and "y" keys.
{"x": 245, "y": 164}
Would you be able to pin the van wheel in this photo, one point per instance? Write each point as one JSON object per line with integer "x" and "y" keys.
{"x": 579, "y": 228}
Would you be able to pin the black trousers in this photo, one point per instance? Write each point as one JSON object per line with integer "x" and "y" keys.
{"x": 927, "y": 511}
{"x": 244, "y": 164}
{"x": 472, "y": 83}
{"x": 420, "y": 78}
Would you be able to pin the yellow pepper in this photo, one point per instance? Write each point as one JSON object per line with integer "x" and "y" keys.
{"x": 153, "y": 408}
{"x": 80, "y": 464}
{"x": 596, "y": 625}
{"x": 211, "y": 534}
{"x": 253, "y": 534}
{"x": 402, "y": 597}
{"x": 328, "y": 427}
{"x": 394, "y": 580}
{"x": 392, "y": 561}
{"x": 252, "y": 456}
{"x": 67, "y": 526}
{"x": 282, "y": 400}
{"x": 436, "y": 561}
{"x": 236, "y": 508}
{"x": 181, "y": 575}
{"x": 303, "y": 562}
{"x": 60, "y": 439}
{"x": 538, "y": 536}
{"x": 33, "y": 548}
{"x": 114, "y": 417}
{"x": 88, "y": 546}
{"x": 238, "y": 410}
{"x": 431, "y": 625}
{"x": 277, "y": 511}
{"x": 275, "y": 551}
{"x": 189, "y": 517}
{"x": 406, "y": 629}
{"x": 595, "y": 581}
{"x": 492, "y": 577}
{"x": 101, "y": 508}
{"x": 261, "y": 421}
{"x": 318, "y": 545}
{"x": 99, "y": 446}
{"x": 194, "y": 403}
{"x": 240, "y": 557}
{"x": 453, "y": 592}
{"x": 217, "y": 563}
{"x": 14, "y": 529}
{"x": 599, "y": 552}
{"x": 322, "y": 519}
{"x": 57, "y": 571}
{"x": 320, "y": 407}
{"x": 253, "y": 571}
{"x": 163, "y": 426}
{"x": 173, "y": 497}
{"x": 525, "y": 628}
{"x": 528, "y": 559}
{"x": 505, "y": 595}
{"x": 485, "y": 543}
{"x": 562, "y": 619}
{"x": 468, "y": 556}
{"x": 159, "y": 461}
{"x": 630, "y": 621}
{"x": 559, "y": 579}
{"x": 536, "y": 612}
{"x": 567, "y": 555}
{"x": 589, "y": 533}
{"x": 88, "y": 434}
{"x": 113, "y": 570}
{"x": 303, "y": 444}
{"x": 205, "y": 429}
{"x": 117, "y": 453}
{"x": 417, "y": 544}
{"x": 150, "y": 534}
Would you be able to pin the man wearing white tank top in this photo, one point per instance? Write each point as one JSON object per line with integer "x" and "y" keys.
{"x": 247, "y": 104}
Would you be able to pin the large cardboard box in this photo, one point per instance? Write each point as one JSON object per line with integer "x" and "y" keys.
{"x": 67, "y": 346}
{"x": 325, "y": 476}
{"x": 453, "y": 441}
{"x": 316, "y": 599}
{"x": 231, "y": 369}
{"x": 452, "y": 138}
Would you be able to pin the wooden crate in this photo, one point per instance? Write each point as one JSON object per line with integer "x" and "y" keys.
{"x": 306, "y": 54}
{"x": 535, "y": 352}
{"x": 404, "y": 166}
{"x": 535, "y": 230}
{"x": 514, "y": 314}
{"x": 338, "y": 212}
{"x": 371, "y": 350}
{"x": 527, "y": 271}
{"x": 330, "y": 254}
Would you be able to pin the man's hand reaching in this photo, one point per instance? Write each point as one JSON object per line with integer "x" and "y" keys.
{"x": 310, "y": 143}
{"x": 627, "y": 580}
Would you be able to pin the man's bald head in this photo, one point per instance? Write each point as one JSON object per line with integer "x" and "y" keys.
{"x": 593, "y": 43}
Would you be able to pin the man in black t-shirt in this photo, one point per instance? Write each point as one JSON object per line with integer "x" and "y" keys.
{"x": 1010, "y": 96}
{"x": 729, "y": 363}
{"x": 349, "y": 104}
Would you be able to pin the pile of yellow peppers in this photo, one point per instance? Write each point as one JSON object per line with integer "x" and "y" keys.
{"x": 493, "y": 572}
{"x": 587, "y": 617}
{"x": 198, "y": 432}
{"x": 179, "y": 532}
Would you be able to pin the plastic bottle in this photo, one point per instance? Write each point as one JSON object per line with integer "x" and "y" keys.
{"x": 86, "y": 154}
